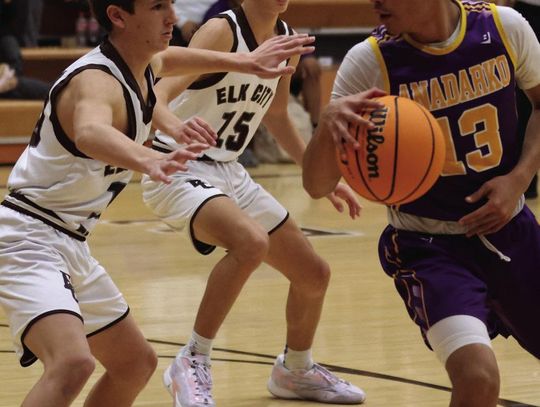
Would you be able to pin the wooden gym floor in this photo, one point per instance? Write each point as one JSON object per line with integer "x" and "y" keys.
{"x": 365, "y": 333}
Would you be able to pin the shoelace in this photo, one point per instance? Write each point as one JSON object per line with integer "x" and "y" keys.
{"x": 201, "y": 370}
{"x": 327, "y": 375}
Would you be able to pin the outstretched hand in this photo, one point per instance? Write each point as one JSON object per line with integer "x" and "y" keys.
{"x": 344, "y": 193}
{"x": 267, "y": 57}
{"x": 167, "y": 164}
{"x": 347, "y": 111}
{"x": 194, "y": 130}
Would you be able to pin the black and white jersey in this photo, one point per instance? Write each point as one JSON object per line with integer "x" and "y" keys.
{"x": 232, "y": 103}
{"x": 55, "y": 182}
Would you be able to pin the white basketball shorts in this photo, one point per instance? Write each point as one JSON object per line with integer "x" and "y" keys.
{"x": 44, "y": 271}
{"x": 177, "y": 203}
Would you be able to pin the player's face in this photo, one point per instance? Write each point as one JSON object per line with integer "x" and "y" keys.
{"x": 276, "y": 6}
{"x": 153, "y": 23}
{"x": 401, "y": 16}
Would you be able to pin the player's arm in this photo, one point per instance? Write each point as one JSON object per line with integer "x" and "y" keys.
{"x": 92, "y": 112}
{"x": 278, "y": 122}
{"x": 263, "y": 61}
{"x": 503, "y": 193}
{"x": 215, "y": 35}
{"x": 356, "y": 76}
{"x": 320, "y": 173}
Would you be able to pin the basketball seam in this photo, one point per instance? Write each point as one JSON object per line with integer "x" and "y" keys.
{"x": 396, "y": 150}
{"x": 359, "y": 167}
{"x": 428, "y": 169}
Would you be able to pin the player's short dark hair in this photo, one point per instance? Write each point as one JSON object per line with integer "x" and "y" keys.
{"x": 99, "y": 9}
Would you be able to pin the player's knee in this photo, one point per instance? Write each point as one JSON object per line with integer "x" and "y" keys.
{"x": 252, "y": 247}
{"x": 478, "y": 382}
{"x": 138, "y": 368}
{"x": 318, "y": 277}
{"x": 71, "y": 373}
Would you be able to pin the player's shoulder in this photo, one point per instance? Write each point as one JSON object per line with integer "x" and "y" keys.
{"x": 95, "y": 83}
{"x": 217, "y": 34}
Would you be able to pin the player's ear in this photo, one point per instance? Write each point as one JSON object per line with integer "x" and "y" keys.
{"x": 117, "y": 16}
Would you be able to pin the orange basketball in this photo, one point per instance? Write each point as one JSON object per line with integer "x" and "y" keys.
{"x": 400, "y": 159}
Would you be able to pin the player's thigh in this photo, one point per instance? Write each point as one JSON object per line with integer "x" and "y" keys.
{"x": 101, "y": 303}
{"x": 515, "y": 285}
{"x": 33, "y": 276}
{"x": 221, "y": 222}
{"x": 59, "y": 339}
{"x": 434, "y": 275}
{"x": 122, "y": 347}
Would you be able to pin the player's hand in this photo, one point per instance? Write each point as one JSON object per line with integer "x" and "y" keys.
{"x": 265, "y": 60}
{"x": 194, "y": 130}
{"x": 502, "y": 194}
{"x": 347, "y": 111}
{"x": 167, "y": 164}
{"x": 343, "y": 193}
{"x": 8, "y": 79}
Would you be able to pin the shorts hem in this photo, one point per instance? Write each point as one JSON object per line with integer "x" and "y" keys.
{"x": 28, "y": 358}
{"x": 201, "y": 247}
{"x": 279, "y": 224}
{"x": 109, "y": 325}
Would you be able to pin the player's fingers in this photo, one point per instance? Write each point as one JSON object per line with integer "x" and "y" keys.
{"x": 194, "y": 149}
{"x": 478, "y": 194}
{"x": 373, "y": 93}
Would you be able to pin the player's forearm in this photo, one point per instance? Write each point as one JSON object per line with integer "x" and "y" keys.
{"x": 320, "y": 173}
{"x": 192, "y": 61}
{"x": 287, "y": 137}
{"x": 163, "y": 119}
{"x": 106, "y": 144}
{"x": 529, "y": 162}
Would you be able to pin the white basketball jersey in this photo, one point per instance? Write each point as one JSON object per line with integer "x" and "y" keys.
{"x": 232, "y": 103}
{"x": 55, "y": 182}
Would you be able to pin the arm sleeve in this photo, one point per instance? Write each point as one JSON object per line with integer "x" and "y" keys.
{"x": 525, "y": 46}
{"x": 358, "y": 72}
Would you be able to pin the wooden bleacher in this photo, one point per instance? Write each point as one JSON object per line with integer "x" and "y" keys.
{"x": 18, "y": 118}
{"x": 315, "y": 14}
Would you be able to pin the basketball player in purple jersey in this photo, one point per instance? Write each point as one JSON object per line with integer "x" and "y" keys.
{"x": 465, "y": 257}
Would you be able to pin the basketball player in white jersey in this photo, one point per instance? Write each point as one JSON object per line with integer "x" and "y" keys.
{"x": 219, "y": 204}
{"x": 62, "y": 306}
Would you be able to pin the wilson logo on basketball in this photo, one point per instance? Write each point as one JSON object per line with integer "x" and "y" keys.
{"x": 375, "y": 136}
{"x": 400, "y": 158}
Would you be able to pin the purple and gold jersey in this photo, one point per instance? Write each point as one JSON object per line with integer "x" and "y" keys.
{"x": 469, "y": 86}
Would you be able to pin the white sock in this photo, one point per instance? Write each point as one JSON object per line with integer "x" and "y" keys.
{"x": 298, "y": 359}
{"x": 199, "y": 344}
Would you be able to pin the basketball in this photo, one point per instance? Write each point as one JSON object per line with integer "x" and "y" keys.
{"x": 399, "y": 159}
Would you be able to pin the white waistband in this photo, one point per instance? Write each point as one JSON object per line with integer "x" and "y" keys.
{"x": 413, "y": 223}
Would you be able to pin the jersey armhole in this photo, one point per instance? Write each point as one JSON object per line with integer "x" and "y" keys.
{"x": 502, "y": 33}
{"x": 213, "y": 79}
{"x": 378, "y": 55}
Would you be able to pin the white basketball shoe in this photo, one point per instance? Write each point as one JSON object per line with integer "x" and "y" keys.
{"x": 189, "y": 380}
{"x": 315, "y": 384}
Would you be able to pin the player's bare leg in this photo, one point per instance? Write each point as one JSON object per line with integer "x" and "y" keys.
{"x": 474, "y": 375}
{"x": 129, "y": 361}
{"x": 59, "y": 342}
{"x": 309, "y": 275}
{"x": 222, "y": 223}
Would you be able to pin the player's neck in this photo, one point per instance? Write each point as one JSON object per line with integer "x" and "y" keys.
{"x": 136, "y": 60}
{"x": 262, "y": 23}
{"x": 441, "y": 28}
